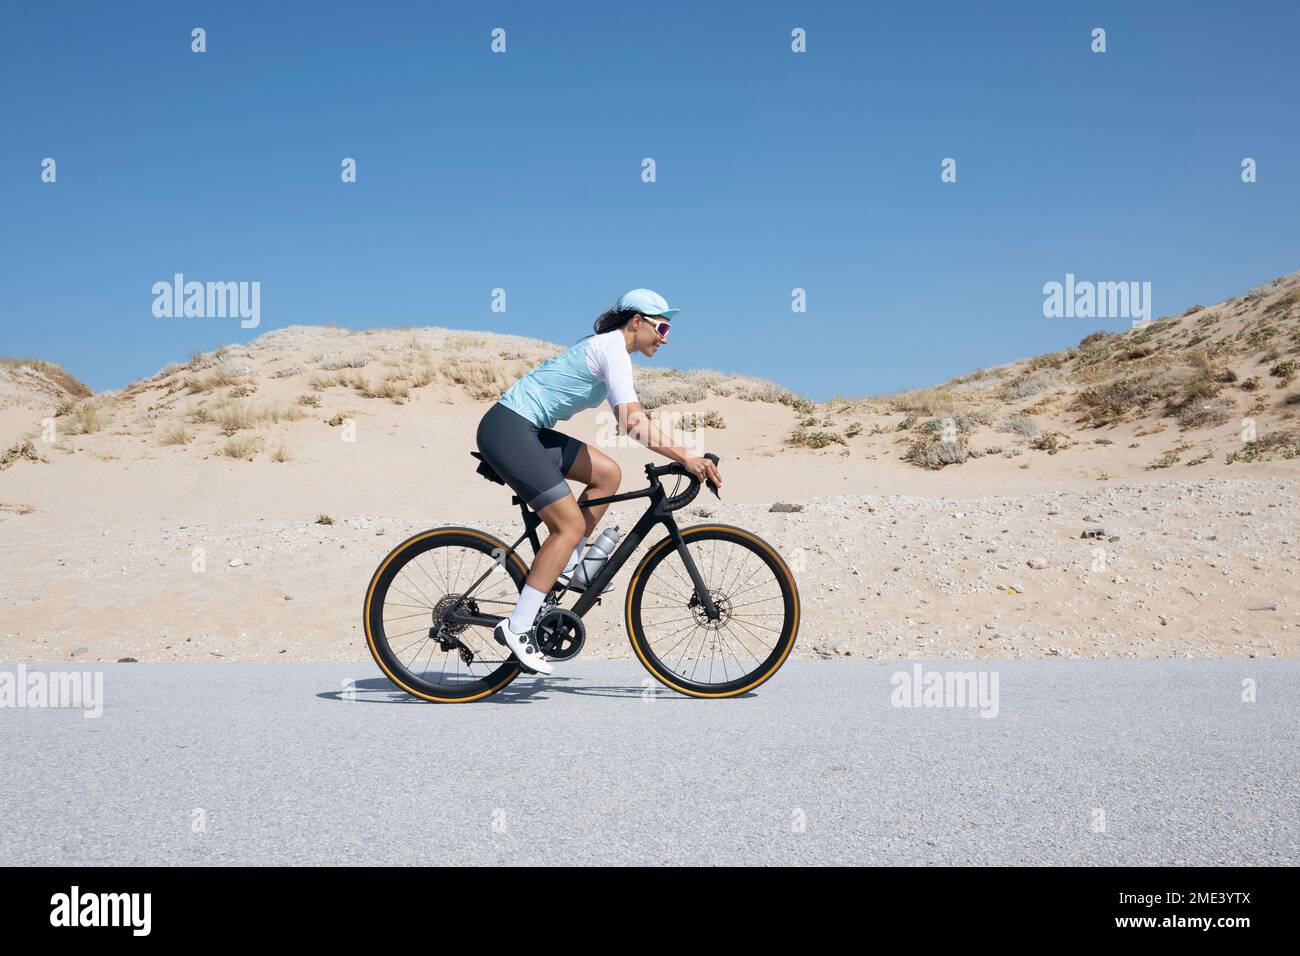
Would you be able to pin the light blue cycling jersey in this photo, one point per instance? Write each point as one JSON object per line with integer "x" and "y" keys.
{"x": 589, "y": 371}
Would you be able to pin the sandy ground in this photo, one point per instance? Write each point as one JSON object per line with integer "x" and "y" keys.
{"x": 180, "y": 519}
{"x": 156, "y": 553}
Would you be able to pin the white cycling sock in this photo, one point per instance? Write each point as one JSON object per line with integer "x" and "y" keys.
{"x": 576, "y": 557}
{"x": 530, "y": 601}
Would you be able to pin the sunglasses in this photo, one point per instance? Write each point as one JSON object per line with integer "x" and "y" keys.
{"x": 660, "y": 327}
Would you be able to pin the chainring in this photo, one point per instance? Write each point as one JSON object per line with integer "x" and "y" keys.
{"x": 560, "y": 633}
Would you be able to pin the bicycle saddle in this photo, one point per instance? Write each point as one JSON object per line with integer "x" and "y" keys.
{"x": 486, "y": 470}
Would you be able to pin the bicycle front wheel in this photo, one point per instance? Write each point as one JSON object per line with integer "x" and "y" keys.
{"x": 754, "y": 592}
{"x": 407, "y": 605}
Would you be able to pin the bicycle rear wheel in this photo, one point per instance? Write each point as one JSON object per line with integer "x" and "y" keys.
{"x": 753, "y": 590}
{"x": 406, "y": 608}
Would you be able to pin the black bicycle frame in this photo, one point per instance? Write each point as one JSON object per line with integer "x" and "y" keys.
{"x": 655, "y": 514}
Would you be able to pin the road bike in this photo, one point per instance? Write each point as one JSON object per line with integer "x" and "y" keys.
{"x": 711, "y": 610}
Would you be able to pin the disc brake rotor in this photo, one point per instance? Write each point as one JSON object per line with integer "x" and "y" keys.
{"x": 720, "y": 601}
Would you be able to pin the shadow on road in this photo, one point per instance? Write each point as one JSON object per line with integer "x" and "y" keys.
{"x": 380, "y": 690}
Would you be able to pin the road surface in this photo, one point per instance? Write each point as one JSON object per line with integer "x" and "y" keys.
{"x": 1085, "y": 762}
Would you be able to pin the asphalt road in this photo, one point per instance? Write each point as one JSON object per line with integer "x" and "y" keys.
{"x": 1085, "y": 762}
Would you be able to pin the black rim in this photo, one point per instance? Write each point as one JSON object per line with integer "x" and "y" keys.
{"x": 751, "y": 637}
{"x": 408, "y": 612}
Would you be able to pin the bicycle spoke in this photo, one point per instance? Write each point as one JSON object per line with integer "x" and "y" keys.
{"x": 752, "y": 604}
{"x": 404, "y": 617}
{"x": 417, "y": 587}
{"x": 416, "y": 593}
{"x": 444, "y": 586}
{"x": 753, "y": 636}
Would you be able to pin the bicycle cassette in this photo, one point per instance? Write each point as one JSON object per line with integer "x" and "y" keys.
{"x": 560, "y": 633}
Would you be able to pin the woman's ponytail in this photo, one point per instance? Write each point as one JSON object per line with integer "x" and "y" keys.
{"x": 613, "y": 319}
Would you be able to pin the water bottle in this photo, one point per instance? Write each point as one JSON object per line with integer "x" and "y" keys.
{"x": 595, "y": 556}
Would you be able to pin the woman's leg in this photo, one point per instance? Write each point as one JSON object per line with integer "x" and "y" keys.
{"x": 568, "y": 524}
{"x": 565, "y": 521}
{"x": 602, "y": 476}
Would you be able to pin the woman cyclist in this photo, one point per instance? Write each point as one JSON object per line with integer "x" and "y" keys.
{"x": 516, "y": 438}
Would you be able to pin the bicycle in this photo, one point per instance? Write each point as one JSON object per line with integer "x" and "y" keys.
{"x": 464, "y": 665}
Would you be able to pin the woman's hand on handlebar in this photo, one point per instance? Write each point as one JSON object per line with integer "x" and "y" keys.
{"x": 704, "y": 470}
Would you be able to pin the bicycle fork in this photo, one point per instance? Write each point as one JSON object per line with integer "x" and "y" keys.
{"x": 701, "y": 592}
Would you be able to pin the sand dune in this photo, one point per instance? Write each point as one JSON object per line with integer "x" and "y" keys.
{"x": 178, "y": 518}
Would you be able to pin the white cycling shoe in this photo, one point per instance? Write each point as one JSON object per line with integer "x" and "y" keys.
{"x": 524, "y": 647}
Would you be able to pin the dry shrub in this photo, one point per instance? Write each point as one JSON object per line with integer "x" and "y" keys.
{"x": 392, "y": 387}
{"x": 23, "y": 451}
{"x": 762, "y": 390}
{"x": 459, "y": 343}
{"x": 85, "y": 418}
{"x": 696, "y": 420}
{"x": 924, "y": 401}
{"x": 1021, "y": 425}
{"x": 1109, "y": 402}
{"x": 219, "y": 377}
{"x": 422, "y": 375}
{"x": 1281, "y": 443}
{"x": 241, "y": 447}
{"x": 235, "y": 416}
{"x": 802, "y": 438}
{"x": 69, "y": 383}
{"x": 932, "y": 453}
{"x": 1027, "y": 385}
{"x": 1204, "y": 414}
{"x": 481, "y": 380}
{"x": 660, "y": 392}
{"x": 340, "y": 363}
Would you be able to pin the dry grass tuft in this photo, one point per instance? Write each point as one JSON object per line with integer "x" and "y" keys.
{"x": 241, "y": 448}
{"x": 177, "y": 435}
{"x": 85, "y": 418}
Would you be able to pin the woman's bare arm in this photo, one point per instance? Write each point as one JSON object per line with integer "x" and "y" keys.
{"x": 634, "y": 422}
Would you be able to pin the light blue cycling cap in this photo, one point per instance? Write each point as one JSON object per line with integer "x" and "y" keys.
{"x": 646, "y": 302}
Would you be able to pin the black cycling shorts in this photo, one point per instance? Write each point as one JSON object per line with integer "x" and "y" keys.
{"x": 533, "y": 461}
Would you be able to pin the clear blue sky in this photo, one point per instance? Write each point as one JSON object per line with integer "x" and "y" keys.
{"x": 522, "y": 171}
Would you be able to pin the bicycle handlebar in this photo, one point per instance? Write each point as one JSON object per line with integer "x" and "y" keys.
{"x": 687, "y": 496}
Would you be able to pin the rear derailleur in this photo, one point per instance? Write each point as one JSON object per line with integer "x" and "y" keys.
{"x": 447, "y": 634}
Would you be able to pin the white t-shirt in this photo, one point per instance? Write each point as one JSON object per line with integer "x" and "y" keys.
{"x": 592, "y": 369}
